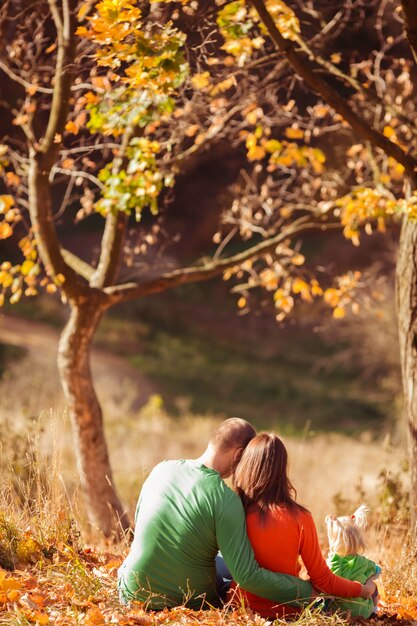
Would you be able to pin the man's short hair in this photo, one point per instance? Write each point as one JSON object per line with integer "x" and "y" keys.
{"x": 232, "y": 433}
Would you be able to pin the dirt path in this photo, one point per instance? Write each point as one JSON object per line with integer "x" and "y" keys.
{"x": 41, "y": 341}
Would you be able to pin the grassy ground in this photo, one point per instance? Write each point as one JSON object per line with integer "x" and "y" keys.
{"x": 9, "y": 354}
{"x": 201, "y": 363}
{"x": 201, "y": 357}
{"x": 55, "y": 570}
{"x": 282, "y": 389}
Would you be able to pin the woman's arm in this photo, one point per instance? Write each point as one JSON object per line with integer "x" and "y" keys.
{"x": 321, "y": 576}
{"x": 238, "y": 554}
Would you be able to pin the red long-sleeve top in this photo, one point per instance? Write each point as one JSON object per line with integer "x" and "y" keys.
{"x": 278, "y": 539}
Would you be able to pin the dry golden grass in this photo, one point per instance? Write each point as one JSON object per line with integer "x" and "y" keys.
{"x": 62, "y": 571}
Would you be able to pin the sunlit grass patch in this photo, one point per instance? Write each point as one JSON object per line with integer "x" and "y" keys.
{"x": 59, "y": 570}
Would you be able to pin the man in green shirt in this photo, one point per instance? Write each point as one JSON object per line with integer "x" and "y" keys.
{"x": 185, "y": 514}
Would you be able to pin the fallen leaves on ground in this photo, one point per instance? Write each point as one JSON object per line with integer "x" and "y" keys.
{"x": 78, "y": 588}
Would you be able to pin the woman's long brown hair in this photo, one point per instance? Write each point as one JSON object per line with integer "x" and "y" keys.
{"x": 261, "y": 477}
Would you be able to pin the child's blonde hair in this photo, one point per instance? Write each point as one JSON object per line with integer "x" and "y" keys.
{"x": 346, "y": 533}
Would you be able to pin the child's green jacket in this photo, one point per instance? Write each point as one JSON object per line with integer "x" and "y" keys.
{"x": 353, "y": 567}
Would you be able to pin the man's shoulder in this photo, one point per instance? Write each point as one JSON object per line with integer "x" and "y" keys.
{"x": 187, "y": 469}
{"x": 169, "y": 466}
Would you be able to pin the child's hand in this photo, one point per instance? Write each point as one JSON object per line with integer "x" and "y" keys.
{"x": 368, "y": 589}
{"x": 315, "y": 593}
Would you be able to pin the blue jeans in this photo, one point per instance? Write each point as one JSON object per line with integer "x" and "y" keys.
{"x": 223, "y": 577}
{"x": 223, "y": 580}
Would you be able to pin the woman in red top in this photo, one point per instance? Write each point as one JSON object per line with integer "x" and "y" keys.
{"x": 281, "y": 530}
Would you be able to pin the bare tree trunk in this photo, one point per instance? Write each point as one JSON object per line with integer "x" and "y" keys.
{"x": 102, "y": 501}
{"x": 406, "y": 287}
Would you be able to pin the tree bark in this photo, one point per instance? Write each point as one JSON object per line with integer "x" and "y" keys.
{"x": 406, "y": 294}
{"x": 102, "y": 502}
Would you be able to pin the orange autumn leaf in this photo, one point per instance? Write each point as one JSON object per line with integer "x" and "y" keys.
{"x": 72, "y": 128}
{"x": 321, "y": 110}
{"x": 339, "y": 312}
{"x": 6, "y": 230}
{"x": 6, "y": 202}
{"x": 36, "y": 617}
{"x": 8, "y": 583}
{"x": 101, "y": 82}
{"x": 31, "y": 90}
{"x": 90, "y": 97}
{"x": 28, "y": 549}
{"x": 67, "y": 163}
{"x": 192, "y": 130}
{"x": 141, "y": 619}
{"x": 404, "y": 606}
{"x": 12, "y": 179}
{"x": 297, "y": 259}
{"x": 38, "y": 599}
{"x": 200, "y": 81}
{"x": 294, "y": 133}
{"x": 94, "y": 617}
{"x": 332, "y": 296}
{"x": 85, "y": 7}
{"x": 113, "y": 563}
{"x": 389, "y": 132}
{"x": 316, "y": 290}
{"x": 51, "y": 288}
{"x": 256, "y": 153}
{"x": 269, "y": 279}
{"x": 13, "y": 595}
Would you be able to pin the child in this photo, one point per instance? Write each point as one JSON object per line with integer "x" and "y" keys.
{"x": 346, "y": 545}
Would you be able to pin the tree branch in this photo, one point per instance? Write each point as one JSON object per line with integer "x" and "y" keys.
{"x": 181, "y": 276}
{"x": 75, "y": 174}
{"x": 111, "y": 249}
{"x": 410, "y": 22}
{"x": 21, "y": 81}
{"x": 47, "y": 90}
{"x": 366, "y": 92}
{"x": 306, "y": 71}
{"x": 114, "y": 231}
{"x": 43, "y": 158}
{"x": 210, "y": 134}
{"x": 78, "y": 265}
{"x": 65, "y": 28}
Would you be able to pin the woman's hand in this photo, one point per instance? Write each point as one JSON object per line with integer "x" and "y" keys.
{"x": 368, "y": 589}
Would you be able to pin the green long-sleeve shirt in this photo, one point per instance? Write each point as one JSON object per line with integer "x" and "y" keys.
{"x": 185, "y": 514}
